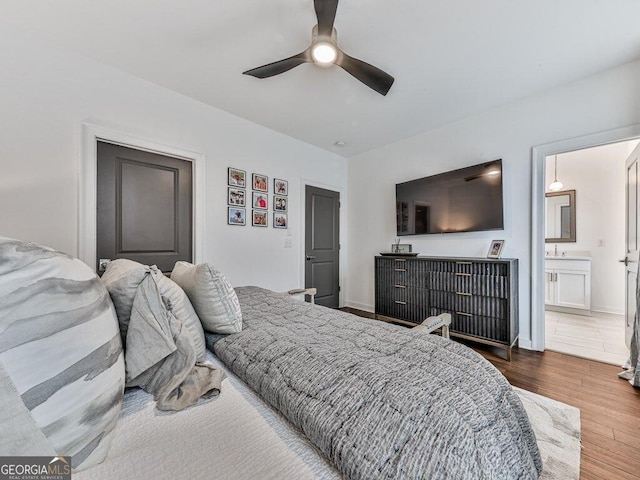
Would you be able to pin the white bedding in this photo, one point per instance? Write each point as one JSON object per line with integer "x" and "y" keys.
{"x": 233, "y": 436}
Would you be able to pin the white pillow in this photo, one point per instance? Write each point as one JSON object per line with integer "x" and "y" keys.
{"x": 122, "y": 278}
{"x": 61, "y": 364}
{"x": 212, "y": 296}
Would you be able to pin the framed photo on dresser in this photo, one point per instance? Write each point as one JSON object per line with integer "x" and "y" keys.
{"x": 495, "y": 250}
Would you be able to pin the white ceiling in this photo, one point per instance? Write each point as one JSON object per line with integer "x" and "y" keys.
{"x": 450, "y": 58}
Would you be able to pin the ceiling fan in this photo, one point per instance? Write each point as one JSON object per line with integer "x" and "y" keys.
{"x": 324, "y": 52}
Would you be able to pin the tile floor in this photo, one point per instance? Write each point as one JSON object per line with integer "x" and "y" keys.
{"x": 597, "y": 337}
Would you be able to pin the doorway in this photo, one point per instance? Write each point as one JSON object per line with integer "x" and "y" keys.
{"x": 322, "y": 244}
{"x": 144, "y": 207}
{"x": 584, "y": 237}
{"x": 87, "y": 191}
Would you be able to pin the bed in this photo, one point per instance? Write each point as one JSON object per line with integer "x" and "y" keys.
{"x": 310, "y": 392}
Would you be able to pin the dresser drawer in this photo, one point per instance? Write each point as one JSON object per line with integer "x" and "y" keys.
{"x": 402, "y": 271}
{"x": 486, "y": 285}
{"x": 489, "y": 328}
{"x": 404, "y": 294}
{"x": 470, "y": 267}
{"x": 412, "y": 312}
{"x": 469, "y": 303}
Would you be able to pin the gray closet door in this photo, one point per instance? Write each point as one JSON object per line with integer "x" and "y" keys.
{"x": 322, "y": 243}
{"x": 144, "y": 207}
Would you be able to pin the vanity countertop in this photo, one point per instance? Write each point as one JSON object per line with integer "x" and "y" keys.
{"x": 567, "y": 257}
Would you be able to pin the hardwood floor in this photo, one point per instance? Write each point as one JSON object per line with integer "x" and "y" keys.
{"x": 609, "y": 407}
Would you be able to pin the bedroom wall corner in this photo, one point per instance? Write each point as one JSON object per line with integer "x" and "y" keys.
{"x": 41, "y": 150}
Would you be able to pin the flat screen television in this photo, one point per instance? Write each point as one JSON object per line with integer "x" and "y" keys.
{"x": 464, "y": 200}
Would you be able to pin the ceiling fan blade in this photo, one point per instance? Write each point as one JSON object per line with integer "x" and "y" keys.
{"x": 281, "y": 66}
{"x": 371, "y": 76}
{"x": 326, "y": 15}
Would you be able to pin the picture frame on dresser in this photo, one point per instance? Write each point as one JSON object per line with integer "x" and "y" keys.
{"x": 495, "y": 249}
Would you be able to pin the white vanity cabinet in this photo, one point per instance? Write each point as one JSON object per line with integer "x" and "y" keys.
{"x": 568, "y": 282}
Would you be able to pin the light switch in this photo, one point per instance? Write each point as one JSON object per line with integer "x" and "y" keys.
{"x": 288, "y": 242}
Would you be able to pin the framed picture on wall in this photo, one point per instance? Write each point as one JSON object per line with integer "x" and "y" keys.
{"x": 279, "y": 204}
{"x": 260, "y": 182}
{"x": 236, "y": 197}
{"x": 259, "y": 219}
{"x": 260, "y": 200}
{"x": 280, "y": 187}
{"x": 495, "y": 250}
{"x": 237, "y": 178}
{"x": 279, "y": 220}
{"x": 237, "y": 216}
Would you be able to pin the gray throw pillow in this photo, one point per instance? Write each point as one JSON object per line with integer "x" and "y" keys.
{"x": 61, "y": 363}
{"x": 212, "y": 296}
{"x": 122, "y": 278}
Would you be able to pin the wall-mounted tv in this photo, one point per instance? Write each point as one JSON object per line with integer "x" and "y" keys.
{"x": 464, "y": 200}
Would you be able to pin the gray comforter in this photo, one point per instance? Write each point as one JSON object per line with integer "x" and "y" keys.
{"x": 380, "y": 401}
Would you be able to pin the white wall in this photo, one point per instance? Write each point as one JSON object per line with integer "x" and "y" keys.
{"x": 603, "y": 102}
{"x": 598, "y": 177}
{"x": 46, "y": 93}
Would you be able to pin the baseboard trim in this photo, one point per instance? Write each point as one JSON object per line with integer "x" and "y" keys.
{"x": 360, "y": 306}
{"x": 525, "y": 343}
{"x": 610, "y": 311}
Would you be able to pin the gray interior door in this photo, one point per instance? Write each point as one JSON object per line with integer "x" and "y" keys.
{"x": 632, "y": 239}
{"x": 144, "y": 207}
{"x": 322, "y": 244}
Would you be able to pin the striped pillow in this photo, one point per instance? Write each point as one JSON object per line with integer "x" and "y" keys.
{"x": 212, "y": 296}
{"x": 61, "y": 362}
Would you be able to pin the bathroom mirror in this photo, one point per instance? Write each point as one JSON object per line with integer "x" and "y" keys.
{"x": 560, "y": 208}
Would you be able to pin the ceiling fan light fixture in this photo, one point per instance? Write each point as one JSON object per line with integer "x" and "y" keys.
{"x": 324, "y": 53}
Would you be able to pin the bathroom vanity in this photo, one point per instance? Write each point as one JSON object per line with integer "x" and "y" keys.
{"x": 568, "y": 283}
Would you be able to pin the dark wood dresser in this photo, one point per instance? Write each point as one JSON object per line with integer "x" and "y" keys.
{"x": 480, "y": 294}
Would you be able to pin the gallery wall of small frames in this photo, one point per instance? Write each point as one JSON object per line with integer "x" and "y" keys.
{"x": 239, "y": 201}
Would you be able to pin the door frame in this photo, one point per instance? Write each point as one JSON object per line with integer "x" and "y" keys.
{"x": 538, "y": 189}
{"x": 343, "y": 238}
{"x": 88, "y": 178}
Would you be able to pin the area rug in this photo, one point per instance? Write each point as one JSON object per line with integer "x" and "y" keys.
{"x": 557, "y": 429}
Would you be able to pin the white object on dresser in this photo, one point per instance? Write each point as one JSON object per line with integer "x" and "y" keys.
{"x": 568, "y": 282}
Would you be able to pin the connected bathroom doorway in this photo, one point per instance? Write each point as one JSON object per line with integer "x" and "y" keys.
{"x": 586, "y": 236}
